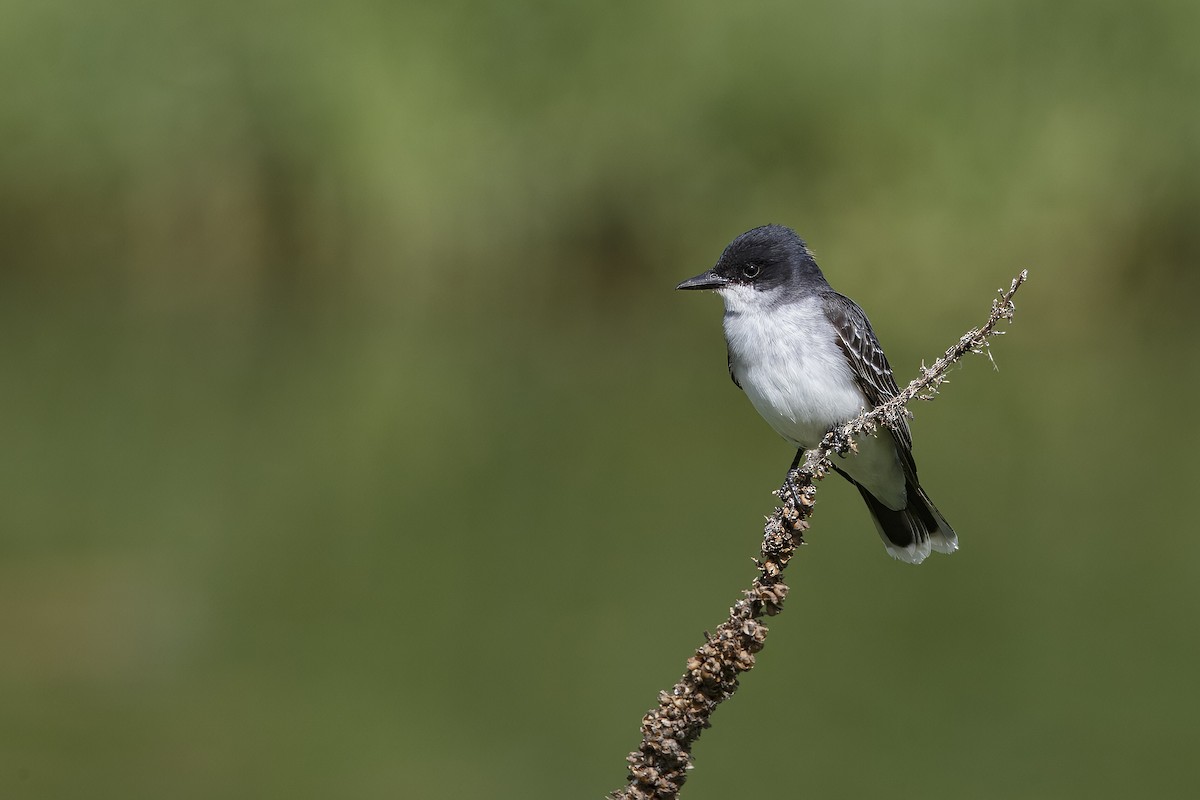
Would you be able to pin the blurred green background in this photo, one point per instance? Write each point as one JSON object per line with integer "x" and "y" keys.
{"x": 356, "y": 445}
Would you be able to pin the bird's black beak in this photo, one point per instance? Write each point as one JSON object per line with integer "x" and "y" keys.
{"x": 705, "y": 280}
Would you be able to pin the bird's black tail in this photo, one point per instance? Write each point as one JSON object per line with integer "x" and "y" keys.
{"x": 912, "y": 532}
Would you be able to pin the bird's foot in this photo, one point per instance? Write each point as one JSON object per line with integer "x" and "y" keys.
{"x": 792, "y": 475}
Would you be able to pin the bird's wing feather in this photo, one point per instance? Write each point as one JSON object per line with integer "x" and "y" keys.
{"x": 865, "y": 356}
{"x": 729, "y": 363}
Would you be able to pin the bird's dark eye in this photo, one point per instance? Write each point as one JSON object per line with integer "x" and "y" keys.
{"x": 751, "y": 271}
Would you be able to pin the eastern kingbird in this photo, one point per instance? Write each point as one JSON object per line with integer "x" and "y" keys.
{"x": 808, "y": 360}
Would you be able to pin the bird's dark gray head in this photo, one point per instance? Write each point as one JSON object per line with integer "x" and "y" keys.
{"x": 765, "y": 258}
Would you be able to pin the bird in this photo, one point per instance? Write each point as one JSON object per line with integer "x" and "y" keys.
{"x": 808, "y": 360}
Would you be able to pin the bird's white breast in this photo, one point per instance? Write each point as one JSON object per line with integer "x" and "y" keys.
{"x": 787, "y": 360}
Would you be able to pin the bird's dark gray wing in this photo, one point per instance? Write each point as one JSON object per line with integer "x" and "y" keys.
{"x": 865, "y": 356}
{"x": 729, "y": 363}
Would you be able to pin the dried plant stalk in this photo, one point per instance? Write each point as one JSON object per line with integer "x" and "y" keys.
{"x": 659, "y": 767}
